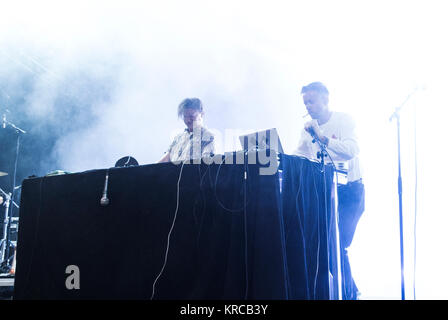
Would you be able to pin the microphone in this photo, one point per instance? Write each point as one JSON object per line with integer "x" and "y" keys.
{"x": 316, "y": 139}
{"x": 313, "y": 134}
{"x": 104, "y": 199}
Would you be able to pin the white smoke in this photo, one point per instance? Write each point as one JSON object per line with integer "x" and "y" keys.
{"x": 123, "y": 67}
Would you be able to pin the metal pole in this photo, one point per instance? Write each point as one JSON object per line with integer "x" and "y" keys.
{"x": 400, "y": 207}
{"x": 396, "y": 115}
{"x": 338, "y": 244}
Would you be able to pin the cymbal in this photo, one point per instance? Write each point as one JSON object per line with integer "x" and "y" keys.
{"x": 3, "y": 174}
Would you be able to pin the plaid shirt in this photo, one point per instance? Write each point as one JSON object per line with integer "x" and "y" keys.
{"x": 192, "y": 145}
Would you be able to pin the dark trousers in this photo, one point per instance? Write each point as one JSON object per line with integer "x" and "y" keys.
{"x": 351, "y": 199}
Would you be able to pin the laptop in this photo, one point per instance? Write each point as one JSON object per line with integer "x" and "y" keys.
{"x": 265, "y": 139}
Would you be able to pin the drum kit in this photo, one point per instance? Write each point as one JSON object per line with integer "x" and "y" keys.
{"x": 8, "y": 247}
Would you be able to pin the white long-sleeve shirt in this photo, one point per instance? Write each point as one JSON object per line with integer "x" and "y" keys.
{"x": 342, "y": 145}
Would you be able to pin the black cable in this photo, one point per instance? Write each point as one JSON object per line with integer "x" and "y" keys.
{"x": 324, "y": 152}
{"x": 169, "y": 233}
{"x": 243, "y": 208}
{"x": 216, "y": 195}
{"x": 303, "y": 236}
{"x": 246, "y": 175}
{"x": 204, "y": 203}
{"x": 336, "y": 225}
{"x": 318, "y": 236}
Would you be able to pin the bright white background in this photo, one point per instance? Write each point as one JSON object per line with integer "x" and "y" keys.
{"x": 247, "y": 61}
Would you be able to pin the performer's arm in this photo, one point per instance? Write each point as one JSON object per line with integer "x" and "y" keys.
{"x": 165, "y": 158}
{"x": 208, "y": 144}
{"x": 345, "y": 146}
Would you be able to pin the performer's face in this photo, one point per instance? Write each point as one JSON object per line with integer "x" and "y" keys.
{"x": 192, "y": 118}
{"x": 316, "y": 103}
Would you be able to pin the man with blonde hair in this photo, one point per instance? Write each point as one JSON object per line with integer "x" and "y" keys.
{"x": 336, "y": 130}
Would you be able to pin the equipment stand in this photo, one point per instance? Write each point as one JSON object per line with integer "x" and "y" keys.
{"x": 396, "y": 115}
{"x": 4, "y": 263}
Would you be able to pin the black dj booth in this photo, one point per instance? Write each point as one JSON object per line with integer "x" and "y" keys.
{"x": 179, "y": 231}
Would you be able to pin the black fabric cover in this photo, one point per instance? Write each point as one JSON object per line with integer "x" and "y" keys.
{"x": 309, "y": 228}
{"x": 232, "y": 238}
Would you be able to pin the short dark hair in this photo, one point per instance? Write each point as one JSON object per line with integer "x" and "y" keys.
{"x": 189, "y": 103}
{"x": 315, "y": 86}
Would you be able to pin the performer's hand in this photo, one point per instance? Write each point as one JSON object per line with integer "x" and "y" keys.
{"x": 312, "y": 127}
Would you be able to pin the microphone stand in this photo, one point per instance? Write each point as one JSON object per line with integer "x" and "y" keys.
{"x": 321, "y": 155}
{"x": 396, "y": 115}
{"x": 4, "y": 264}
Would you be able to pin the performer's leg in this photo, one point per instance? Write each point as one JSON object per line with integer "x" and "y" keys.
{"x": 351, "y": 207}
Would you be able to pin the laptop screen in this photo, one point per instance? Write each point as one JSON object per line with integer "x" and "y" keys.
{"x": 265, "y": 139}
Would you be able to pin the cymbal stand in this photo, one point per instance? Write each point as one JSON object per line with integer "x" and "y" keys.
{"x": 9, "y": 197}
{"x": 4, "y": 243}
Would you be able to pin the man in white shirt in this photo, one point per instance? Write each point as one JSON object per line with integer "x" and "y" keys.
{"x": 196, "y": 141}
{"x": 335, "y": 130}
